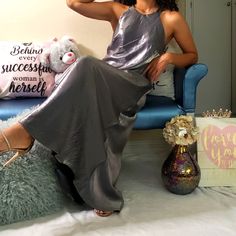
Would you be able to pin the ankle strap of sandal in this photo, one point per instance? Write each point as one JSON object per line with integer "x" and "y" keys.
{"x": 6, "y": 140}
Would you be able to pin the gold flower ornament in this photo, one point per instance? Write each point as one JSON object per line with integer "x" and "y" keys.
{"x": 181, "y": 131}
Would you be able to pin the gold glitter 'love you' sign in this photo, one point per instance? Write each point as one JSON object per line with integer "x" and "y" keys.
{"x": 216, "y": 150}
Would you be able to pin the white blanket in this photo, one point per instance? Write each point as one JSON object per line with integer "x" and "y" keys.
{"x": 149, "y": 208}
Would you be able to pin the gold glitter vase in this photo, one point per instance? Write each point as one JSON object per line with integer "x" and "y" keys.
{"x": 180, "y": 172}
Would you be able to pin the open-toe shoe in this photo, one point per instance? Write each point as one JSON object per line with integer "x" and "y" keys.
{"x": 18, "y": 151}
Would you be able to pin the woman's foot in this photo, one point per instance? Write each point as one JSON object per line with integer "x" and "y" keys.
{"x": 103, "y": 213}
{"x": 15, "y": 138}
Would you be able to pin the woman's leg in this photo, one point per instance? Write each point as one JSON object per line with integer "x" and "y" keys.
{"x": 81, "y": 122}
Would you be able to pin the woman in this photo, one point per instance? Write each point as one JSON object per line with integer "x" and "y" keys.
{"x": 87, "y": 119}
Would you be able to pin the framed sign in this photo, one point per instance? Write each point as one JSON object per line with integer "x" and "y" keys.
{"x": 216, "y": 151}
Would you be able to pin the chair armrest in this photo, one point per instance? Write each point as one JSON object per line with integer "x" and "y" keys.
{"x": 192, "y": 77}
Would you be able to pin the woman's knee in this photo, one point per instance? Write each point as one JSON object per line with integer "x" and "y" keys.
{"x": 86, "y": 61}
{"x": 81, "y": 74}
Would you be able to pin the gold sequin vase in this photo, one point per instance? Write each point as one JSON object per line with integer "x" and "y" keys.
{"x": 180, "y": 171}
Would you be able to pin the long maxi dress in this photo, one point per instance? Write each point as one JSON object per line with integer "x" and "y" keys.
{"x": 87, "y": 119}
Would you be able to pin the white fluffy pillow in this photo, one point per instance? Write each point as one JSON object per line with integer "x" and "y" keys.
{"x": 165, "y": 85}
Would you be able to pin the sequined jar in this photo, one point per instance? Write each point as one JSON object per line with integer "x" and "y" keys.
{"x": 180, "y": 171}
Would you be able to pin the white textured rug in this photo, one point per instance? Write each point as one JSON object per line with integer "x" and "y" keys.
{"x": 149, "y": 208}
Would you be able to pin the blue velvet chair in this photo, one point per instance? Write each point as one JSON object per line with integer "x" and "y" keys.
{"x": 156, "y": 111}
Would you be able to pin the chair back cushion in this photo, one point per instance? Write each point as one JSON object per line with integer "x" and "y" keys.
{"x": 13, "y": 107}
{"x": 178, "y": 84}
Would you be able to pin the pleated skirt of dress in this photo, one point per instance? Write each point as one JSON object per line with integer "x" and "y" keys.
{"x": 87, "y": 121}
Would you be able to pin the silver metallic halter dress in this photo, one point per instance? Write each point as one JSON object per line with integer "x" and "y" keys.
{"x": 87, "y": 119}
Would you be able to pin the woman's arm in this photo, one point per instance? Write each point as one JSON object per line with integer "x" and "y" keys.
{"x": 108, "y": 11}
{"x": 175, "y": 27}
{"x": 179, "y": 30}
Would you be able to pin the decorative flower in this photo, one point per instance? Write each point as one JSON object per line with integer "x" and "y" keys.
{"x": 181, "y": 131}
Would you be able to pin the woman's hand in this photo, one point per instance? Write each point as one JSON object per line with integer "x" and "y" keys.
{"x": 156, "y": 67}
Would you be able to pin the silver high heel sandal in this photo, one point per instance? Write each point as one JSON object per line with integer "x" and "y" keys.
{"x": 18, "y": 151}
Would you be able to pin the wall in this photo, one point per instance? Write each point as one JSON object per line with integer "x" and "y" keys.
{"x": 182, "y": 6}
{"x": 41, "y": 20}
{"x": 234, "y": 58}
{"x": 215, "y": 40}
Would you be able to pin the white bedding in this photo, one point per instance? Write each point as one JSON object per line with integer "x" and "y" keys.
{"x": 149, "y": 208}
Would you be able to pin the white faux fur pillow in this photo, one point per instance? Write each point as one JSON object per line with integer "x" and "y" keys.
{"x": 29, "y": 187}
{"x": 165, "y": 85}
